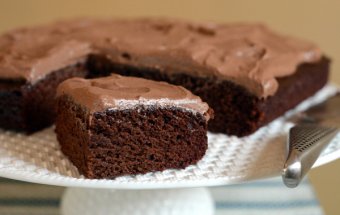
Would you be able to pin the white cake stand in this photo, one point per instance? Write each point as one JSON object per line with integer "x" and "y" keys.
{"x": 229, "y": 160}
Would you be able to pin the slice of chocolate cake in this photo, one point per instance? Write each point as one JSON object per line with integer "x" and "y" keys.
{"x": 118, "y": 125}
{"x": 247, "y": 73}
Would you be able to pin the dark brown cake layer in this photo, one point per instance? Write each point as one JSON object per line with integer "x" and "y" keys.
{"x": 27, "y": 107}
{"x": 237, "y": 112}
{"x": 112, "y": 143}
{"x": 237, "y": 68}
{"x": 31, "y": 107}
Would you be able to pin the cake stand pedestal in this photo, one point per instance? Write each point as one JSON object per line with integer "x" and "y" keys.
{"x": 137, "y": 202}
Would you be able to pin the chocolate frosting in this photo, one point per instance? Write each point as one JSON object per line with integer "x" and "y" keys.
{"x": 119, "y": 92}
{"x": 248, "y": 54}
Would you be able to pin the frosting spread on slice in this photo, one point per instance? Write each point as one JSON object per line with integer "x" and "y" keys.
{"x": 119, "y": 92}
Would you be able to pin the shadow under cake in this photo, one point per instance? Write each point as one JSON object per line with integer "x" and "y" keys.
{"x": 248, "y": 74}
{"x": 118, "y": 125}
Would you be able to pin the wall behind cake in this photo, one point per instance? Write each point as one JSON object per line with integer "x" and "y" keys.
{"x": 317, "y": 20}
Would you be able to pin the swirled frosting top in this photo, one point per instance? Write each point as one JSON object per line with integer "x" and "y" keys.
{"x": 120, "y": 92}
{"x": 250, "y": 55}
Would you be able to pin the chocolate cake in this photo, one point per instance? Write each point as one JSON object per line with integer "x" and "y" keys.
{"x": 27, "y": 106}
{"x": 247, "y": 73}
{"x": 119, "y": 125}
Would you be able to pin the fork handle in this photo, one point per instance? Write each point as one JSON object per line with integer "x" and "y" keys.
{"x": 305, "y": 144}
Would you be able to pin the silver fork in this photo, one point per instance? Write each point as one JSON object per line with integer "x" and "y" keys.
{"x": 313, "y": 132}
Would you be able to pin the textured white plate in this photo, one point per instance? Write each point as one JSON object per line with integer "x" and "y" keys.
{"x": 229, "y": 159}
